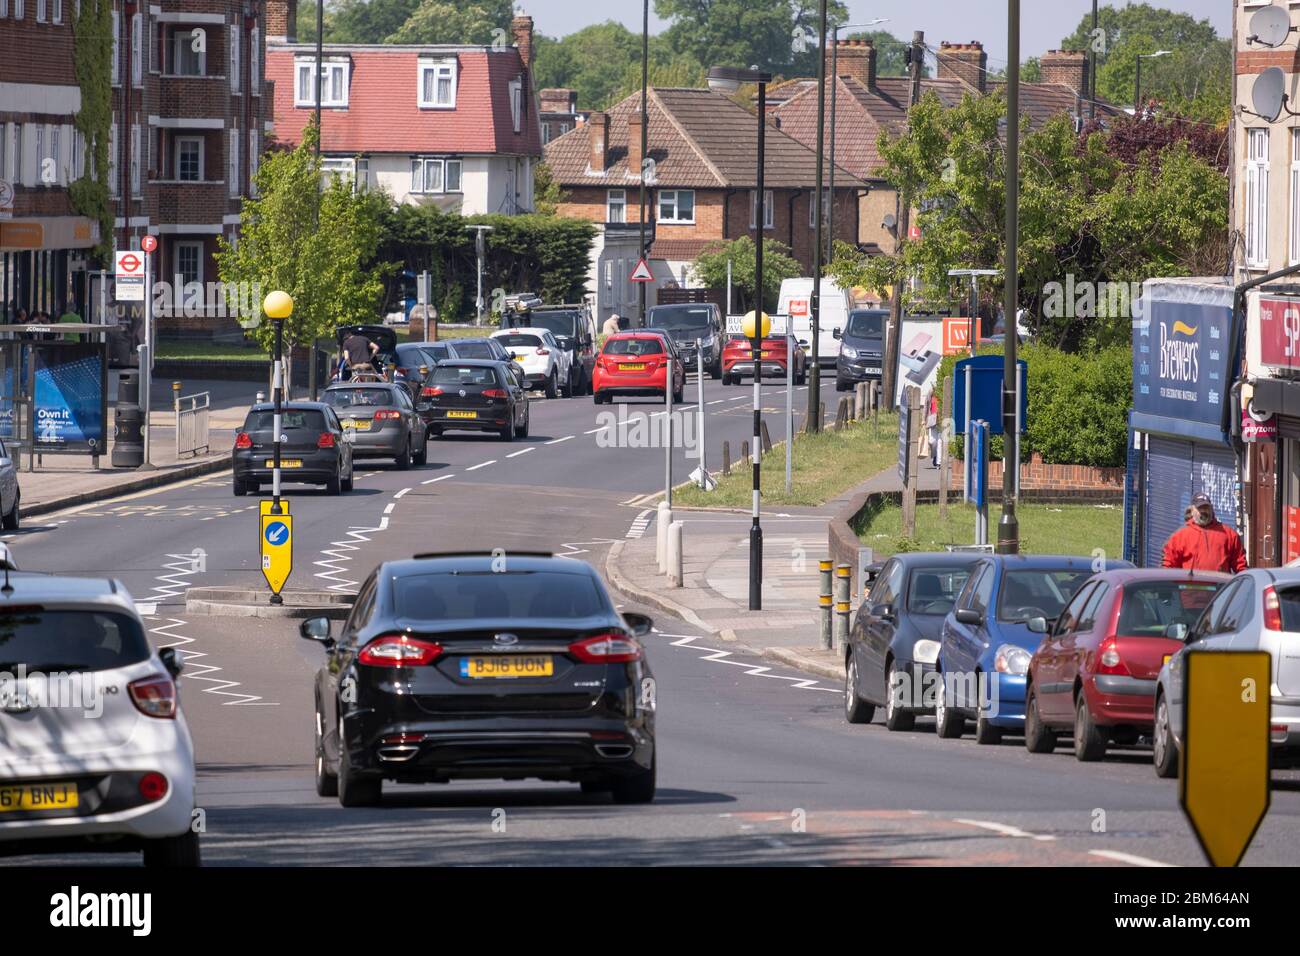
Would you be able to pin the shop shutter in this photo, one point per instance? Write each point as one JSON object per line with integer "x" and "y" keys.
{"x": 1176, "y": 470}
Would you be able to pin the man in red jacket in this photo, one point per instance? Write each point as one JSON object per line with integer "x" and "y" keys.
{"x": 1205, "y": 543}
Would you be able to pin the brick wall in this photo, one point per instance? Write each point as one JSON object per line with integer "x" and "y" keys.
{"x": 1037, "y": 475}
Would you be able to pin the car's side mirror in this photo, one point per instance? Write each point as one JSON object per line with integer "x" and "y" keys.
{"x": 883, "y": 611}
{"x": 316, "y": 629}
{"x": 1177, "y": 632}
{"x": 803, "y": 342}
{"x": 835, "y": 333}
{"x": 1037, "y": 625}
{"x": 168, "y": 657}
{"x": 968, "y": 615}
{"x": 638, "y": 624}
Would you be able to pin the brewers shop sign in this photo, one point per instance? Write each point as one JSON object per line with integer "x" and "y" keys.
{"x": 1180, "y": 361}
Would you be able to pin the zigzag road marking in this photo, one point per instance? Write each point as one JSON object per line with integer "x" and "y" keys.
{"x": 574, "y": 547}
{"x": 339, "y": 555}
{"x": 221, "y": 685}
{"x": 753, "y": 670}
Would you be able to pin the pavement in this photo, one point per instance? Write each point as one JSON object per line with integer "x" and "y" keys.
{"x": 714, "y": 595}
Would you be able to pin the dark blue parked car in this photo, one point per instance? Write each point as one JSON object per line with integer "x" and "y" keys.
{"x": 991, "y": 633}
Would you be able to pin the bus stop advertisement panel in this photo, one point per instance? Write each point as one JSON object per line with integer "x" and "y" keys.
{"x": 68, "y": 382}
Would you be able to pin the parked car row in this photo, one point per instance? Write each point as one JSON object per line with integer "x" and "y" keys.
{"x": 1049, "y": 647}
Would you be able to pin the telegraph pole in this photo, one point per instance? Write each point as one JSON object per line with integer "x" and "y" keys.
{"x": 645, "y": 85}
{"x": 1009, "y": 525}
{"x": 813, "y": 419}
{"x": 904, "y": 220}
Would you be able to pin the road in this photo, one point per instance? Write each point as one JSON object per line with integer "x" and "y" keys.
{"x": 757, "y": 765}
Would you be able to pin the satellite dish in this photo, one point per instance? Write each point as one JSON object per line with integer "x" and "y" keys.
{"x": 1270, "y": 26}
{"x": 1269, "y": 93}
{"x": 890, "y": 222}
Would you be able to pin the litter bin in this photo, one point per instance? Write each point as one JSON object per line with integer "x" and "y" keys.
{"x": 128, "y": 438}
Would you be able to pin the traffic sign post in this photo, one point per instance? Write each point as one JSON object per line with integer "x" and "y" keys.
{"x": 148, "y": 244}
{"x": 642, "y": 272}
{"x": 1223, "y": 782}
{"x": 276, "y": 546}
{"x": 977, "y": 477}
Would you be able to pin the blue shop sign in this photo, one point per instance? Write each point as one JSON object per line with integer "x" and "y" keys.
{"x": 1180, "y": 369}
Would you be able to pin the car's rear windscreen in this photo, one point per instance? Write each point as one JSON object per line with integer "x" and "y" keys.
{"x": 343, "y": 397}
{"x": 474, "y": 594}
{"x": 475, "y": 350}
{"x": 561, "y": 323}
{"x": 290, "y": 419}
{"x": 634, "y": 347}
{"x": 1289, "y": 604}
{"x": 521, "y": 341}
{"x": 1149, "y": 608}
{"x": 68, "y": 640}
{"x": 447, "y": 374}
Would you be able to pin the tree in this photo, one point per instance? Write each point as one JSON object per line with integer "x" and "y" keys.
{"x": 710, "y": 269}
{"x": 326, "y": 263}
{"x": 547, "y": 194}
{"x": 591, "y": 61}
{"x": 357, "y": 21}
{"x": 776, "y": 35}
{"x": 447, "y": 21}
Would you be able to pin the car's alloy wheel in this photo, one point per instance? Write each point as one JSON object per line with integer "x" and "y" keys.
{"x": 551, "y": 388}
{"x": 947, "y": 723}
{"x": 327, "y": 783}
{"x": 1038, "y": 738}
{"x": 355, "y": 791}
{"x": 10, "y": 520}
{"x": 896, "y": 717}
{"x": 856, "y": 710}
{"x": 404, "y": 459}
{"x": 985, "y": 731}
{"x": 239, "y": 488}
{"x": 1089, "y": 739}
{"x": 1164, "y": 751}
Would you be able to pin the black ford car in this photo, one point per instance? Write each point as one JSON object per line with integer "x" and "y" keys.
{"x": 689, "y": 323}
{"x": 484, "y": 666}
{"x": 862, "y": 348}
{"x": 574, "y": 329}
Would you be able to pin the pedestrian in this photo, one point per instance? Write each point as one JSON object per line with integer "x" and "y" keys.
{"x": 933, "y": 429}
{"x": 360, "y": 353}
{"x": 612, "y": 325}
{"x": 1204, "y": 543}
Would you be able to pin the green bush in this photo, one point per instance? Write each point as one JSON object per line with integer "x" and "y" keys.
{"x": 1078, "y": 404}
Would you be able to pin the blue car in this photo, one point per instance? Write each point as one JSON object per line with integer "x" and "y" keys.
{"x": 992, "y": 631}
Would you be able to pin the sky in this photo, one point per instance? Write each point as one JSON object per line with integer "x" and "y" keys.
{"x": 1044, "y": 22}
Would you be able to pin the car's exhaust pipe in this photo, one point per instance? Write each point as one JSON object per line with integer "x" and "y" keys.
{"x": 398, "y": 753}
{"x": 614, "y": 751}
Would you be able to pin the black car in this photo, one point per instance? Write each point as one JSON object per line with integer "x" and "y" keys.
{"x": 484, "y": 666}
{"x": 476, "y": 395}
{"x": 862, "y": 348}
{"x": 487, "y": 349}
{"x": 894, "y": 642}
{"x": 574, "y": 329}
{"x": 687, "y": 323}
{"x": 382, "y": 420}
{"x": 316, "y": 450}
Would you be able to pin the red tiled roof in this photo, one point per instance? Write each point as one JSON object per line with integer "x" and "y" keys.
{"x": 383, "y": 113}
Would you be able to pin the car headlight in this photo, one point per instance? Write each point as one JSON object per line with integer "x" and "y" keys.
{"x": 1011, "y": 659}
{"x": 925, "y": 652}
{"x": 848, "y": 352}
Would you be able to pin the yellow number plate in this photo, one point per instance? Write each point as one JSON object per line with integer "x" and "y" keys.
{"x": 462, "y": 414}
{"x": 1166, "y": 660}
{"x": 513, "y": 665}
{"x": 639, "y": 367}
{"x": 764, "y": 354}
{"x": 44, "y": 796}
{"x": 284, "y": 463}
{"x": 360, "y": 426}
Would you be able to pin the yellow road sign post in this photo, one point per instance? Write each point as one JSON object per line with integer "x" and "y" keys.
{"x": 276, "y": 546}
{"x": 1224, "y": 776}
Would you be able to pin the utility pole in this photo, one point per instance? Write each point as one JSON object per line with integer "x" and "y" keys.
{"x": 645, "y": 123}
{"x": 904, "y": 220}
{"x": 1009, "y": 525}
{"x": 1092, "y": 65}
{"x": 813, "y": 419}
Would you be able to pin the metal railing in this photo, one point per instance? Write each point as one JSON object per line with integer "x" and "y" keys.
{"x": 192, "y": 422}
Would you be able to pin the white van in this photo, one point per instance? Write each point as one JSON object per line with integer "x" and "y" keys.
{"x": 796, "y": 302}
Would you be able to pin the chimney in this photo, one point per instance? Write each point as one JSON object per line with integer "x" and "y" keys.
{"x": 555, "y": 100}
{"x": 964, "y": 61}
{"x": 522, "y": 30}
{"x": 282, "y": 21}
{"x": 598, "y": 142}
{"x": 1066, "y": 68}
{"x": 857, "y": 58}
{"x": 634, "y": 144}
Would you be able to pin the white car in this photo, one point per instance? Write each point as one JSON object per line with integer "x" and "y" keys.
{"x": 94, "y": 749}
{"x": 545, "y": 362}
{"x": 10, "y": 493}
{"x": 1258, "y": 610}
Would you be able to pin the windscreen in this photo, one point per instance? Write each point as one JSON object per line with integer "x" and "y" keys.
{"x": 1149, "y": 608}
{"x": 934, "y": 590}
{"x": 866, "y": 325}
{"x": 674, "y": 317}
{"x": 465, "y": 595}
{"x": 634, "y": 347}
{"x": 1037, "y": 593}
{"x": 69, "y": 640}
{"x": 463, "y": 375}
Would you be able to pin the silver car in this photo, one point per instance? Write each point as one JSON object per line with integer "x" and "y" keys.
{"x": 1258, "y": 610}
{"x": 10, "y": 493}
{"x": 382, "y": 421}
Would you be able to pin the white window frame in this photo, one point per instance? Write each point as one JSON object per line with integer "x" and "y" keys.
{"x": 232, "y": 161}
{"x": 675, "y": 218}
{"x": 441, "y": 69}
{"x": 1256, "y": 222}
{"x": 40, "y": 152}
{"x": 56, "y": 154}
{"x": 178, "y": 148}
{"x": 812, "y": 209}
{"x": 610, "y": 205}
{"x": 517, "y": 104}
{"x": 1294, "y": 250}
{"x": 114, "y": 162}
{"x": 183, "y": 47}
{"x": 254, "y": 159}
{"x": 328, "y": 69}
{"x": 137, "y": 42}
{"x": 769, "y": 208}
{"x": 117, "y": 44}
{"x": 255, "y": 61}
{"x": 18, "y": 9}
{"x": 135, "y": 161}
{"x": 78, "y": 154}
{"x": 235, "y": 31}
{"x": 331, "y": 167}
{"x": 57, "y": 12}
{"x": 42, "y": 11}
{"x": 420, "y": 179}
{"x": 4, "y": 147}
{"x": 4, "y": 8}
{"x": 198, "y": 260}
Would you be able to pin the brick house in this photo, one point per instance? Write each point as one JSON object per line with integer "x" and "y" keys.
{"x": 452, "y": 125}
{"x": 702, "y": 146}
{"x": 559, "y": 112}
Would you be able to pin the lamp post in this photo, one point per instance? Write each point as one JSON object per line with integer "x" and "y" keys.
{"x": 640, "y": 173}
{"x": 479, "y": 242}
{"x": 725, "y": 80}
{"x": 1137, "y": 80}
{"x": 278, "y": 306}
{"x": 1009, "y": 525}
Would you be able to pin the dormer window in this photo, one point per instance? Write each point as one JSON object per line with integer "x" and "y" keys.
{"x": 437, "y": 84}
{"x": 333, "y": 86}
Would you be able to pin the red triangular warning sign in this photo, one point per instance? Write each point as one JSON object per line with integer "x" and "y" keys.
{"x": 642, "y": 273}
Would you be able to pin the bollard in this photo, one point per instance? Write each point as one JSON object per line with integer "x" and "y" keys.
{"x": 824, "y": 602}
{"x": 859, "y": 401}
{"x": 726, "y": 457}
{"x": 744, "y": 452}
{"x": 767, "y": 439}
{"x": 663, "y": 518}
{"x": 675, "y": 577}
{"x": 842, "y": 414}
{"x": 841, "y": 607}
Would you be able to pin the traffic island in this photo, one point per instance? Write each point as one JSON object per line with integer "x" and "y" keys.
{"x": 255, "y": 602}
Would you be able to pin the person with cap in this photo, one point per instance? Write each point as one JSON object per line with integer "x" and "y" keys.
{"x": 612, "y": 326}
{"x": 1204, "y": 543}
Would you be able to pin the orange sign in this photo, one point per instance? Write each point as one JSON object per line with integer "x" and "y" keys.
{"x": 799, "y": 308}
{"x": 21, "y": 235}
{"x": 956, "y": 335}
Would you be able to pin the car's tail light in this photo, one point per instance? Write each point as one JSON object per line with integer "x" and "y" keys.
{"x": 606, "y": 649}
{"x": 326, "y": 440}
{"x": 1272, "y": 610}
{"x": 406, "y": 737}
{"x": 398, "y": 650}
{"x": 1108, "y": 658}
{"x": 154, "y": 696}
{"x": 153, "y": 786}
{"x": 430, "y": 391}
{"x": 387, "y": 414}
{"x": 494, "y": 393}
{"x": 243, "y": 440}
{"x": 543, "y": 351}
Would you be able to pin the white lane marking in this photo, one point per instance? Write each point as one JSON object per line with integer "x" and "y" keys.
{"x": 556, "y": 441}
{"x": 146, "y": 609}
{"x": 370, "y": 474}
{"x": 594, "y": 430}
{"x": 338, "y": 553}
{"x": 752, "y": 670}
{"x": 639, "y": 524}
{"x": 1129, "y": 858}
{"x": 188, "y": 655}
{"x": 1005, "y": 829}
{"x": 439, "y": 478}
{"x": 389, "y": 509}
{"x": 574, "y": 549}
{"x": 516, "y": 454}
{"x": 718, "y": 402}
{"x": 401, "y": 493}
{"x": 482, "y": 464}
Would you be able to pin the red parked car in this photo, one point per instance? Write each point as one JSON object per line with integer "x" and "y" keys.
{"x": 738, "y": 358}
{"x": 636, "y": 363}
{"x": 1094, "y": 674}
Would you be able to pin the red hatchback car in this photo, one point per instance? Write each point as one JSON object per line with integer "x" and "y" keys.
{"x": 1094, "y": 674}
{"x": 738, "y": 358}
{"x": 636, "y": 363}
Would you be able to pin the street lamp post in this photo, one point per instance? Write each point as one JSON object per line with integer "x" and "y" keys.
{"x": 1009, "y": 525}
{"x": 479, "y": 249}
{"x": 726, "y": 79}
{"x": 640, "y": 173}
{"x": 1137, "y": 80}
{"x": 278, "y": 306}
